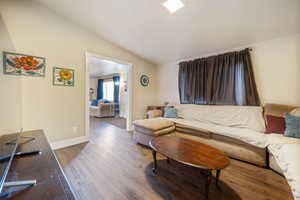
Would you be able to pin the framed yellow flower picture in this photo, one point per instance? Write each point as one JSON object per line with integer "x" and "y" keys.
{"x": 63, "y": 76}
{"x": 24, "y": 65}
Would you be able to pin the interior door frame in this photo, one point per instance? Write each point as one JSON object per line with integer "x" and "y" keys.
{"x": 129, "y": 118}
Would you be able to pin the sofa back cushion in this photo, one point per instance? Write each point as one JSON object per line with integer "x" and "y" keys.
{"x": 154, "y": 113}
{"x": 277, "y": 110}
{"x": 250, "y": 117}
{"x": 295, "y": 112}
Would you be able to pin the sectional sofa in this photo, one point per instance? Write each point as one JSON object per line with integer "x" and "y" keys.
{"x": 236, "y": 130}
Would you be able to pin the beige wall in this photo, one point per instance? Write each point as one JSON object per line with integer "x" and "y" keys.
{"x": 277, "y": 70}
{"x": 33, "y": 29}
{"x": 10, "y": 90}
{"x": 276, "y": 66}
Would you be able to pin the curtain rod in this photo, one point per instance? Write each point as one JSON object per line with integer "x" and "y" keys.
{"x": 250, "y": 49}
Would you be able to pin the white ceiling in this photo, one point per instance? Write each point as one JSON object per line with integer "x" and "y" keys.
{"x": 147, "y": 29}
{"x": 99, "y": 67}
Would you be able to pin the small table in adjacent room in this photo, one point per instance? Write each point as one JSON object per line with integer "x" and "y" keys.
{"x": 191, "y": 153}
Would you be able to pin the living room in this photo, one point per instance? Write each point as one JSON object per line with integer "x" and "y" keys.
{"x": 218, "y": 77}
{"x": 109, "y": 91}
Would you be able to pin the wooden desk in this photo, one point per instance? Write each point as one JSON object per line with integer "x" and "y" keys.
{"x": 51, "y": 181}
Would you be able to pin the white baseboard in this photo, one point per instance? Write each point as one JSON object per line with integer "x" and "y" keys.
{"x": 68, "y": 142}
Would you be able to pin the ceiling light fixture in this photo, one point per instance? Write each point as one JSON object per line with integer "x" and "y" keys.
{"x": 173, "y": 5}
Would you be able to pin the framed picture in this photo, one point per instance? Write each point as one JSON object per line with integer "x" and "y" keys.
{"x": 24, "y": 65}
{"x": 63, "y": 76}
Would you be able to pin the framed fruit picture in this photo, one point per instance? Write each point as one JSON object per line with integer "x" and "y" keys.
{"x": 63, "y": 76}
{"x": 24, "y": 65}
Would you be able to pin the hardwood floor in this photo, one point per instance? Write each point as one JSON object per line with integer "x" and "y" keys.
{"x": 112, "y": 167}
{"x": 115, "y": 121}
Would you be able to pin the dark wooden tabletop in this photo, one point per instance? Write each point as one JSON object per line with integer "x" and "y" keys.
{"x": 190, "y": 152}
{"x": 51, "y": 181}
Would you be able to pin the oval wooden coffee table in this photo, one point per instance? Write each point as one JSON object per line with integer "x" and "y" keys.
{"x": 190, "y": 153}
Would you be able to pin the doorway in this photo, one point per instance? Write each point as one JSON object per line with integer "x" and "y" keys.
{"x": 108, "y": 91}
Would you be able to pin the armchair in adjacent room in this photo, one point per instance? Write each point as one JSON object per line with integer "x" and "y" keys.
{"x": 102, "y": 110}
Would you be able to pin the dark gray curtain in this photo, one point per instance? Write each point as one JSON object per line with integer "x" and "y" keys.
{"x": 225, "y": 79}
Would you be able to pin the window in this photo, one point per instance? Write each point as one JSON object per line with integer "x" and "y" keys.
{"x": 108, "y": 90}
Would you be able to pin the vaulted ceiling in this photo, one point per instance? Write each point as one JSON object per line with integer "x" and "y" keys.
{"x": 147, "y": 29}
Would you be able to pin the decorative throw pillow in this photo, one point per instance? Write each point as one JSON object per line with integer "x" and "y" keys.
{"x": 170, "y": 112}
{"x": 295, "y": 112}
{"x": 95, "y": 102}
{"x": 292, "y": 126}
{"x": 275, "y": 124}
{"x": 154, "y": 113}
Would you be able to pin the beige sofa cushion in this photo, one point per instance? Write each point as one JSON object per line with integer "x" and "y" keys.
{"x": 194, "y": 132}
{"x": 243, "y": 152}
{"x": 154, "y": 113}
{"x": 185, "y": 125}
{"x": 145, "y": 139}
{"x": 277, "y": 109}
{"x": 153, "y": 124}
{"x": 245, "y": 135}
{"x": 250, "y": 117}
{"x": 154, "y": 133}
{"x": 287, "y": 157}
{"x": 231, "y": 140}
{"x": 273, "y": 164}
{"x": 197, "y": 131}
{"x": 295, "y": 112}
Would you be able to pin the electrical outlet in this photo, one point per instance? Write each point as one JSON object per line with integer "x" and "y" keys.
{"x": 75, "y": 128}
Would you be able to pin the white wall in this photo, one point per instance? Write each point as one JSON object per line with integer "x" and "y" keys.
{"x": 276, "y": 66}
{"x": 35, "y": 30}
{"x": 123, "y": 95}
{"x": 94, "y": 85}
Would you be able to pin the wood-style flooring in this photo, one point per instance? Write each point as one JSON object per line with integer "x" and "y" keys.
{"x": 112, "y": 167}
{"x": 116, "y": 121}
